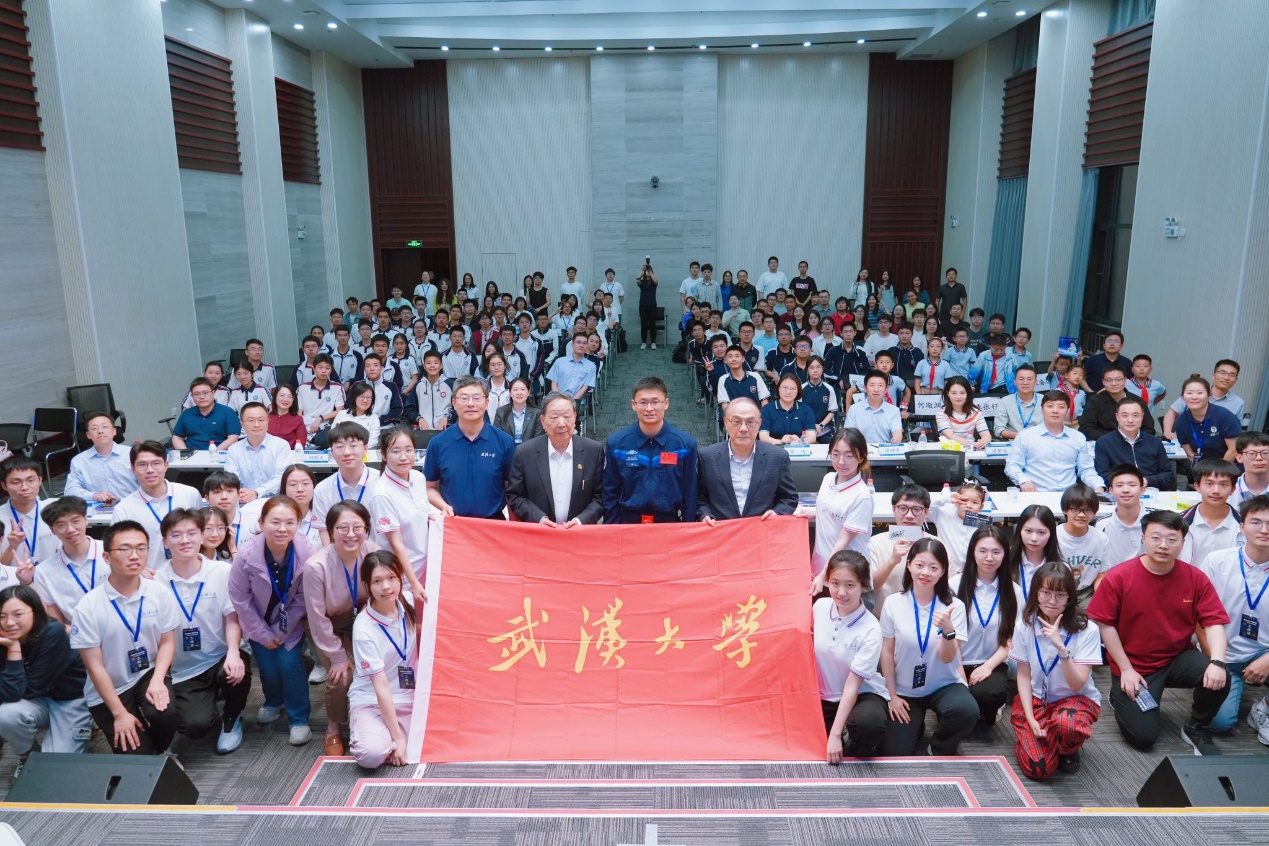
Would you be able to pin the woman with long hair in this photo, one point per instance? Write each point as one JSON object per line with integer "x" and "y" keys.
{"x": 1034, "y": 544}
{"x": 991, "y": 600}
{"x": 960, "y": 420}
{"x": 285, "y": 421}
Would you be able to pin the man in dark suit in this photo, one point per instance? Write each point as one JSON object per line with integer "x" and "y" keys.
{"x": 740, "y": 477}
{"x": 558, "y": 478}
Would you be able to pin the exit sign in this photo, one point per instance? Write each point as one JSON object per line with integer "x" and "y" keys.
{"x": 414, "y": 243}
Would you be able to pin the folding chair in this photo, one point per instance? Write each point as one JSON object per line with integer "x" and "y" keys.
{"x": 61, "y": 425}
{"x": 90, "y": 399}
{"x": 17, "y": 436}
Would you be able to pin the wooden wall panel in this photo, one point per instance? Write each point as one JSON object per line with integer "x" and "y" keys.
{"x": 19, "y": 111}
{"x": 297, "y": 132}
{"x": 408, "y": 160}
{"x": 1015, "y": 125}
{"x": 203, "y": 111}
{"x": 1117, "y": 98}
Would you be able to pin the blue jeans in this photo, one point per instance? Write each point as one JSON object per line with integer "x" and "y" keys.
{"x": 284, "y": 680}
{"x": 1227, "y": 716}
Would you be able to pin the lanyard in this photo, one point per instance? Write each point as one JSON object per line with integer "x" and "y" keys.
{"x": 352, "y": 583}
{"x": 140, "y": 607}
{"x": 149, "y": 504}
{"x": 1197, "y": 433}
{"x": 1018, "y": 403}
{"x": 979, "y": 614}
{"x": 30, "y": 542}
{"x": 1247, "y": 587}
{"x": 1040, "y": 657}
{"x": 92, "y": 579}
{"x": 405, "y": 636}
{"x": 340, "y": 488}
{"x": 290, "y": 568}
{"x": 929, "y": 621}
{"x": 193, "y": 609}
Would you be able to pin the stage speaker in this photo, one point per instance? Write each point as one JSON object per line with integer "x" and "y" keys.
{"x": 64, "y": 778}
{"x": 1225, "y": 781}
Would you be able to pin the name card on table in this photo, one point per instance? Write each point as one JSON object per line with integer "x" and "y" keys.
{"x": 997, "y": 449}
{"x": 798, "y": 450}
{"x": 891, "y": 450}
{"x": 927, "y": 405}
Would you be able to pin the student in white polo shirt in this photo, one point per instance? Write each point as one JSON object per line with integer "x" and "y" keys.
{"x": 247, "y": 390}
{"x": 354, "y": 481}
{"x": 1122, "y": 527}
{"x": 1213, "y": 522}
{"x": 208, "y": 665}
{"x": 345, "y": 360}
{"x": 27, "y": 538}
{"x": 258, "y": 458}
{"x": 265, "y": 376}
{"x": 399, "y": 500}
{"x": 321, "y": 399}
{"x": 66, "y": 577}
{"x": 433, "y": 394}
{"x": 843, "y": 507}
{"x": 102, "y": 473}
{"x": 149, "y": 504}
{"x": 125, "y": 631}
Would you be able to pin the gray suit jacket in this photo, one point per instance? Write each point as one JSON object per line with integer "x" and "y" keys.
{"x": 771, "y": 485}
{"x": 529, "y": 493}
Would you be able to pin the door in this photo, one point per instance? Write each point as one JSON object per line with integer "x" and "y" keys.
{"x": 403, "y": 267}
{"x": 500, "y": 268}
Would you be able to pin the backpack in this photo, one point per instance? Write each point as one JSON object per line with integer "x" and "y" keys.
{"x": 679, "y": 356}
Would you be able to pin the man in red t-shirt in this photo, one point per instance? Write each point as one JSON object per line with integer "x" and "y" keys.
{"x": 1147, "y": 609}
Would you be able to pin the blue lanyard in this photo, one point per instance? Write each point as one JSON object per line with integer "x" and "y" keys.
{"x": 290, "y": 569}
{"x": 405, "y": 636}
{"x": 92, "y": 579}
{"x": 923, "y": 642}
{"x": 157, "y": 518}
{"x": 1247, "y": 587}
{"x": 1017, "y": 402}
{"x": 189, "y": 615}
{"x": 1197, "y": 433}
{"x": 340, "y": 488}
{"x": 30, "y": 542}
{"x": 352, "y": 583}
{"x": 1039, "y": 657}
{"x": 979, "y": 614}
{"x": 140, "y": 607}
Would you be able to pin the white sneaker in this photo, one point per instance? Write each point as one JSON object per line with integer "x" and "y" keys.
{"x": 268, "y": 714}
{"x": 654, "y": 346}
{"x": 1259, "y": 720}
{"x": 643, "y": 346}
{"x": 230, "y": 738}
{"x": 319, "y": 674}
{"x": 300, "y": 735}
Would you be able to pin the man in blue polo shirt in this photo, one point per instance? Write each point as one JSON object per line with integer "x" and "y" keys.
{"x": 650, "y": 467}
{"x": 206, "y": 421}
{"x": 574, "y": 375}
{"x": 467, "y": 465}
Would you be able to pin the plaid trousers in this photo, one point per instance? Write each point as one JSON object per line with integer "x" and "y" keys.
{"x": 1067, "y": 724}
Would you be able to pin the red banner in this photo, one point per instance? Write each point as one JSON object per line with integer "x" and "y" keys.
{"x": 646, "y": 642}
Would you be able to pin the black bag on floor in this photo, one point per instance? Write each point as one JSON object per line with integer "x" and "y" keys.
{"x": 679, "y": 356}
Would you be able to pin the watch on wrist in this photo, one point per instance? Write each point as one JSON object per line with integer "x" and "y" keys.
{"x": 949, "y": 635}
{"x": 1216, "y": 662}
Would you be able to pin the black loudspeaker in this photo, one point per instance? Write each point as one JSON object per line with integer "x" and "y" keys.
{"x": 66, "y": 778}
{"x": 1225, "y": 781}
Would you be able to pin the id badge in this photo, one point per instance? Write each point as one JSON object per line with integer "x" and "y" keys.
{"x": 1249, "y": 627}
{"x": 192, "y": 640}
{"x": 167, "y": 553}
{"x": 1144, "y": 699}
{"x": 918, "y": 675}
{"x": 975, "y": 520}
{"x": 138, "y": 660}
{"x": 405, "y": 677}
{"x": 282, "y": 618}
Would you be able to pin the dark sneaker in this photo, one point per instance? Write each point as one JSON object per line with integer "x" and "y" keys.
{"x": 1069, "y": 763}
{"x": 1200, "y": 738}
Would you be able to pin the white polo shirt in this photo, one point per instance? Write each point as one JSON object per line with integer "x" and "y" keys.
{"x": 1087, "y": 556}
{"x": 98, "y": 624}
{"x": 398, "y": 506}
{"x": 259, "y": 468}
{"x": 1123, "y": 539}
{"x": 1202, "y": 539}
{"x": 150, "y": 513}
{"x": 40, "y": 541}
{"x": 898, "y": 621}
{"x": 238, "y": 397}
{"x": 373, "y": 637}
{"x": 332, "y": 490}
{"x": 455, "y": 364}
{"x": 983, "y": 617}
{"x": 848, "y": 505}
{"x": 577, "y": 289}
{"x": 314, "y": 403}
{"x": 205, "y": 611}
{"x": 1051, "y": 686}
{"x": 1226, "y": 571}
{"x": 265, "y": 376}
{"x": 64, "y": 583}
{"x": 846, "y": 645}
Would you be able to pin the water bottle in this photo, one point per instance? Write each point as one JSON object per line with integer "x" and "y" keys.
{"x": 922, "y": 439}
{"x": 1246, "y": 421}
{"x": 212, "y": 449}
{"x": 872, "y": 489}
{"x": 299, "y": 452}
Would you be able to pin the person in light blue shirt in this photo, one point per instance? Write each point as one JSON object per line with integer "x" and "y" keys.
{"x": 1051, "y": 457}
{"x": 960, "y": 357}
{"x": 877, "y": 419}
{"x": 104, "y": 473}
{"x": 574, "y": 375}
{"x": 993, "y": 373}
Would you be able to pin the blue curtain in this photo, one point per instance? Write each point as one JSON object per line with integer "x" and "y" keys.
{"x": 1129, "y": 13}
{"x": 1005, "y": 259}
{"x": 1074, "y": 314}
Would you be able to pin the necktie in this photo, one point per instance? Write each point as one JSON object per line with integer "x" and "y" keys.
{"x": 932, "y": 366}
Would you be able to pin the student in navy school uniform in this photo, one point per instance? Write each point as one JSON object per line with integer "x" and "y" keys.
{"x": 788, "y": 420}
{"x": 739, "y": 382}
{"x": 820, "y": 396}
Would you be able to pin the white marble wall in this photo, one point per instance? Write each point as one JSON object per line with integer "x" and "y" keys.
{"x": 654, "y": 116}
{"x": 197, "y": 23}
{"x": 216, "y": 230}
{"x": 308, "y": 259}
{"x": 291, "y": 62}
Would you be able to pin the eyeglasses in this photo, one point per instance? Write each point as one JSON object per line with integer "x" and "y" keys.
{"x": 743, "y": 422}
{"x": 356, "y": 529}
{"x": 16, "y": 616}
{"x": 193, "y": 534}
{"x": 149, "y": 465}
{"x": 129, "y": 551}
{"x": 1055, "y": 595}
{"x": 401, "y": 452}
{"x": 469, "y": 400}
{"x": 909, "y": 510}
{"x": 649, "y": 403}
{"x": 1256, "y": 525}
{"x": 1082, "y": 509}
{"x": 1229, "y": 373}
{"x": 1257, "y": 454}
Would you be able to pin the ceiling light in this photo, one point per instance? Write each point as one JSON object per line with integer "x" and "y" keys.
{"x": 599, "y": 49}
{"x": 860, "y": 41}
{"x": 444, "y": 48}
{"x": 806, "y": 44}
{"x": 1021, "y": 13}
{"x": 298, "y": 26}
{"x": 496, "y": 48}
{"x": 754, "y": 45}
{"x": 189, "y": 29}
{"x": 332, "y": 25}
{"x": 701, "y": 47}
{"x": 651, "y": 47}
{"x": 982, "y": 14}
{"x": 547, "y": 48}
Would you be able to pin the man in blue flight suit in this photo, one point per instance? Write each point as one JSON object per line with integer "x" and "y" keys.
{"x": 650, "y": 467}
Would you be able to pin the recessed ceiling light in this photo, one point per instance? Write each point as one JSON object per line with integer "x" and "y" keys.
{"x": 332, "y": 25}
{"x": 189, "y": 29}
{"x": 298, "y": 26}
{"x": 754, "y": 45}
{"x": 444, "y": 48}
{"x": 547, "y": 48}
{"x": 1022, "y": 13}
{"x": 982, "y": 14}
{"x": 860, "y": 41}
{"x": 496, "y": 48}
{"x": 806, "y": 44}
{"x": 651, "y": 47}
{"x": 599, "y": 49}
{"x": 701, "y": 46}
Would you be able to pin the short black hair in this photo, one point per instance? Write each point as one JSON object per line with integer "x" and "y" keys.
{"x": 910, "y": 491}
{"x": 649, "y": 383}
{"x": 1169, "y": 519}
{"x": 116, "y": 529}
{"x": 64, "y": 507}
{"x": 219, "y": 480}
{"x": 1079, "y": 494}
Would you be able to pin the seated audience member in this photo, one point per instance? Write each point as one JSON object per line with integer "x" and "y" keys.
{"x": 1085, "y": 551}
{"x": 876, "y": 418}
{"x": 1213, "y": 523}
{"x": 246, "y": 390}
{"x": 1099, "y": 417}
{"x": 433, "y": 394}
{"x": 1051, "y": 457}
{"x": 739, "y": 381}
{"x": 155, "y": 497}
{"x": 1071, "y": 388}
{"x": 1095, "y": 365}
{"x": 1220, "y": 394}
{"x": 215, "y": 534}
{"x": 788, "y": 420}
{"x": 922, "y": 630}
{"x": 399, "y": 500}
{"x": 992, "y": 599}
{"x": 101, "y": 474}
{"x": 897, "y": 393}
{"x": 1056, "y": 650}
{"x": 573, "y": 374}
{"x": 1128, "y": 444}
{"x": 741, "y": 477}
{"x": 843, "y": 507}
{"x": 221, "y": 491}
{"x": 519, "y": 418}
{"x": 320, "y": 400}
{"x": 268, "y": 595}
{"x": 457, "y": 360}
{"x": 960, "y": 420}
{"x": 1147, "y": 610}
{"x": 353, "y": 480}
{"x": 332, "y": 596}
{"x": 992, "y": 374}
{"x": 1017, "y": 354}
{"x": 360, "y": 410}
{"x": 209, "y": 665}
{"x": 467, "y": 465}
{"x": 882, "y": 339}
{"x": 1204, "y": 429}
{"x": 64, "y": 578}
{"x": 887, "y": 551}
{"x": 820, "y": 396}
{"x": 213, "y": 372}
{"x": 27, "y": 539}
{"x": 388, "y": 405}
{"x": 265, "y": 376}
{"x": 1034, "y": 543}
{"x": 385, "y": 650}
{"x": 959, "y": 356}
{"x": 1122, "y": 527}
{"x": 650, "y": 473}
{"x": 1020, "y": 411}
{"x": 1142, "y": 384}
{"x": 345, "y": 359}
{"x": 285, "y": 421}
{"x": 1252, "y": 453}
{"x": 125, "y": 631}
{"x": 207, "y": 422}
{"x": 949, "y": 513}
{"x": 853, "y": 695}
{"x": 258, "y": 458}
{"x": 907, "y": 358}
{"x": 1239, "y": 576}
{"x": 550, "y": 474}
{"x": 41, "y": 680}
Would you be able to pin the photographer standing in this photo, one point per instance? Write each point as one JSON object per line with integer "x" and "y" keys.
{"x": 647, "y": 282}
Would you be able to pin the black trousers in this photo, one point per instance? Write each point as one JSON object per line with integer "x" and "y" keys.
{"x": 157, "y": 727}
{"x": 957, "y": 712}
{"x": 1141, "y": 728}
{"x": 991, "y": 693}
{"x": 648, "y": 324}
{"x": 195, "y": 699}
{"x": 865, "y": 727}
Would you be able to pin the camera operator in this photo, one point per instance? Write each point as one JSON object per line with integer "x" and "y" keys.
{"x": 647, "y": 282}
